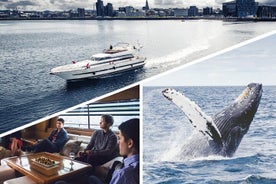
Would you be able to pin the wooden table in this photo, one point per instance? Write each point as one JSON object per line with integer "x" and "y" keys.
{"x": 62, "y": 171}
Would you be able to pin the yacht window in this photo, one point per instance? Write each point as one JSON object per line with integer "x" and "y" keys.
{"x": 100, "y": 58}
{"x": 88, "y": 116}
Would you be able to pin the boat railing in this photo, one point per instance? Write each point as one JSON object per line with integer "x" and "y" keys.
{"x": 121, "y": 47}
{"x": 122, "y": 43}
{"x": 114, "y": 51}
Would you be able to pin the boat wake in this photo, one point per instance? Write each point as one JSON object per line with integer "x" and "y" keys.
{"x": 177, "y": 57}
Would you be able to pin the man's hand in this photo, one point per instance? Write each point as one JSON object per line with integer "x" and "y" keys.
{"x": 88, "y": 152}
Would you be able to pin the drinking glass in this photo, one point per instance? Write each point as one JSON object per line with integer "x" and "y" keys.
{"x": 72, "y": 156}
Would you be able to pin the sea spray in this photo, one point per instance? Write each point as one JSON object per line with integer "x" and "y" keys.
{"x": 176, "y": 57}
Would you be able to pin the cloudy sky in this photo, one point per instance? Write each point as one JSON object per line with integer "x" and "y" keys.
{"x": 88, "y": 4}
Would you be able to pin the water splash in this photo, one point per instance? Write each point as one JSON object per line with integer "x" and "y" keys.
{"x": 176, "y": 57}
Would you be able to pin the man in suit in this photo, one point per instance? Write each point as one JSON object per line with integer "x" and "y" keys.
{"x": 54, "y": 143}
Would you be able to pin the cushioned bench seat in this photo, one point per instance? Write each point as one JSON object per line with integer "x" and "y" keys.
{"x": 20, "y": 180}
{"x": 6, "y": 173}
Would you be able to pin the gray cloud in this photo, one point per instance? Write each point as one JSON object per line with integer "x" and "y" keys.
{"x": 14, "y": 5}
{"x": 52, "y": 1}
{"x": 219, "y": 1}
{"x": 166, "y": 3}
{"x": 269, "y": 2}
{"x": 90, "y": 4}
{"x": 185, "y": 3}
{"x": 46, "y": 4}
{"x": 71, "y": 4}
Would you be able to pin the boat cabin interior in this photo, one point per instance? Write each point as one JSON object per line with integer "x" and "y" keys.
{"x": 80, "y": 124}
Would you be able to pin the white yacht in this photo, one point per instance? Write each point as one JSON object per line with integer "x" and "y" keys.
{"x": 116, "y": 59}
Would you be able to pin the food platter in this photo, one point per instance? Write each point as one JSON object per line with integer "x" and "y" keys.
{"x": 44, "y": 165}
{"x": 45, "y": 162}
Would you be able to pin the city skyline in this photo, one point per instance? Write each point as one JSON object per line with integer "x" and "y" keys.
{"x": 90, "y": 4}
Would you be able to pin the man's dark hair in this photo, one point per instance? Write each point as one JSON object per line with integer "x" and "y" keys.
{"x": 108, "y": 119}
{"x": 61, "y": 120}
{"x": 130, "y": 130}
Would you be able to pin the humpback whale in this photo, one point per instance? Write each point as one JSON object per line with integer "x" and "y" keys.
{"x": 222, "y": 133}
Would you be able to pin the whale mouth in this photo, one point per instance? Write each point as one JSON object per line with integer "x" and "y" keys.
{"x": 249, "y": 100}
{"x": 251, "y": 93}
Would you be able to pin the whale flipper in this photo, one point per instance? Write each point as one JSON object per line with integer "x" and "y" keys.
{"x": 196, "y": 116}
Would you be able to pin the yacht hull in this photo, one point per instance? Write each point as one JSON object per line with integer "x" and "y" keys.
{"x": 101, "y": 71}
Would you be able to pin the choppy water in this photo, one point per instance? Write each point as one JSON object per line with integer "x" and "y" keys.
{"x": 165, "y": 129}
{"x": 29, "y": 49}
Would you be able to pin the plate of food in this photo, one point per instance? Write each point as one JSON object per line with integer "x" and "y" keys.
{"x": 44, "y": 161}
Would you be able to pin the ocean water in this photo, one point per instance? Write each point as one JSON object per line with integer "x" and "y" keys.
{"x": 165, "y": 129}
{"x": 29, "y": 49}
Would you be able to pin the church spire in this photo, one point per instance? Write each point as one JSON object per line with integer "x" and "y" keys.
{"x": 147, "y": 5}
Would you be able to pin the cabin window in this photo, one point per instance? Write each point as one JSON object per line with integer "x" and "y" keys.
{"x": 126, "y": 56}
{"x": 100, "y": 58}
{"x": 88, "y": 116}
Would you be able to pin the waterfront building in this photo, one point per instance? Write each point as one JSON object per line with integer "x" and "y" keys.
{"x": 81, "y": 12}
{"x": 126, "y": 11}
{"x": 164, "y": 12}
{"x": 181, "y": 12}
{"x": 152, "y": 13}
{"x": 208, "y": 11}
{"x": 120, "y": 14}
{"x": 100, "y": 8}
{"x": 109, "y": 10}
{"x": 5, "y": 13}
{"x": 72, "y": 14}
{"x": 217, "y": 12}
{"x": 193, "y": 11}
{"x": 90, "y": 13}
{"x": 240, "y": 8}
{"x": 139, "y": 13}
{"x": 246, "y": 8}
{"x": 266, "y": 11}
{"x": 129, "y": 11}
{"x": 229, "y": 9}
{"x": 15, "y": 13}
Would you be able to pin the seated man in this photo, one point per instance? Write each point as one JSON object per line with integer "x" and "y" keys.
{"x": 103, "y": 145}
{"x": 12, "y": 144}
{"x": 54, "y": 143}
{"x": 128, "y": 172}
{"x": 129, "y": 148}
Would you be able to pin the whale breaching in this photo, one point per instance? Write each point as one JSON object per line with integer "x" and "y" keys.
{"x": 222, "y": 133}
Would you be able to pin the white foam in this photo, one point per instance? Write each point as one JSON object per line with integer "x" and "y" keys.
{"x": 176, "y": 57}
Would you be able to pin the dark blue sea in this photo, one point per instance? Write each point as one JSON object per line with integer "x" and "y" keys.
{"x": 165, "y": 129}
{"x": 29, "y": 49}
